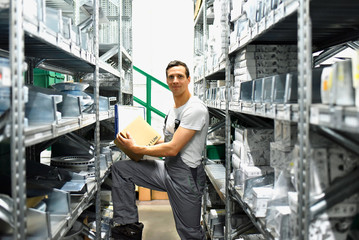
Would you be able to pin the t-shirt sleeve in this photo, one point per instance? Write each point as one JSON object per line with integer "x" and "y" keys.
{"x": 194, "y": 117}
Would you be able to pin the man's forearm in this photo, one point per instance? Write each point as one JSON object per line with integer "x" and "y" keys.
{"x": 158, "y": 150}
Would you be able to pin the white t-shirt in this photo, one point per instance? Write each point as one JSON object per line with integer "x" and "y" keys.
{"x": 192, "y": 115}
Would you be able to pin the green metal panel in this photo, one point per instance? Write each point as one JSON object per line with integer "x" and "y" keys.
{"x": 149, "y": 108}
{"x": 148, "y": 99}
{"x": 148, "y": 103}
{"x": 153, "y": 79}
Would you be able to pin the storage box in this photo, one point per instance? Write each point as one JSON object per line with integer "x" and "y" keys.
{"x": 289, "y": 133}
{"x": 236, "y": 146}
{"x": 216, "y": 151}
{"x": 144, "y": 194}
{"x": 254, "y": 138}
{"x": 158, "y": 195}
{"x": 4, "y": 98}
{"x": 246, "y": 91}
{"x": 256, "y": 157}
{"x": 279, "y": 88}
{"x": 278, "y": 130}
{"x": 280, "y": 155}
{"x": 216, "y": 216}
{"x": 343, "y": 91}
{"x": 291, "y": 90}
{"x": 261, "y": 196}
{"x": 258, "y": 90}
{"x": 248, "y": 172}
{"x": 54, "y": 20}
{"x": 239, "y": 134}
{"x": 43, "y": 78}
{"x": 268, "y": 89}
{"x": 40, "y": 108}
{"x": 5, "y": 78}
{"x": 236, "y": 161}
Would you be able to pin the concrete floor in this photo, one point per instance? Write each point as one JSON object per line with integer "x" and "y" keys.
{"x": 157, "y": 217}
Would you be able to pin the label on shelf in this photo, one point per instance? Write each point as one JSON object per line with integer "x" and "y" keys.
{"x": 272, "y": 111}
{"x": 314, "y": 115}
{"x": 42, "y": 28}
{"x": 254, "y": 30}
{"x": 287, "y": 112}
{"x": 351, "y": 121}
{"x": 324, "y": 118}
{"x": 83, "y": 54}
{"x": 279, "y": 12}
{"x": 261, "y": 25}
{"x": 262, "y": 110}
{"x": 270, "y": 19}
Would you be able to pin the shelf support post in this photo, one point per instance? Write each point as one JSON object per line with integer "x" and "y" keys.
{"x": 305, "y": 99}
{"x": 97, "y": 124}
{"x": 18, "y": 167}
{"x": 228, "y": 230}
{"x": 119, "y": 46}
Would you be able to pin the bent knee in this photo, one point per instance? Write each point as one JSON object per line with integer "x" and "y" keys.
{"x": 122, "y": 167}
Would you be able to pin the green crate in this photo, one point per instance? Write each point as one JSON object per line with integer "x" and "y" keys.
{"x": 45, "y": 79}
{"x": 216, "y": 151}
{"x": 59, "y": 77}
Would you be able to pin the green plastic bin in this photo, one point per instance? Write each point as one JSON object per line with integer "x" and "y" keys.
{"x": 45, "y": 79}
{"x": 216, "y": 151}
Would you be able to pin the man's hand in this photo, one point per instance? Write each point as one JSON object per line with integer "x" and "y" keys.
{"x": 125, "y": 143}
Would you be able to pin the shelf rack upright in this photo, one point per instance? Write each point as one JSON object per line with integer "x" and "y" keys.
{"x": 305, "y": 99}
{"x": 18, "y": 169}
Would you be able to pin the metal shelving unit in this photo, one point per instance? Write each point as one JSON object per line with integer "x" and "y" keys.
{"x": 217, "y": 176}
{"x": 37, "y": 134}
{"x": 24, "y": 38}
{"x": 312, "y": 26}
{"x": 259, "y": 223}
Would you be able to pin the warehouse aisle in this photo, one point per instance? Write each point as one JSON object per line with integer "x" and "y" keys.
{"x": 157, "y": 217}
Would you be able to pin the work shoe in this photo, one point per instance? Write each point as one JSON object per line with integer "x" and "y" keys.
{"x": 131, "y": 231}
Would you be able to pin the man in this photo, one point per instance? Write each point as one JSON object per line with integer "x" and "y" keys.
{"x": 181, "y": 175}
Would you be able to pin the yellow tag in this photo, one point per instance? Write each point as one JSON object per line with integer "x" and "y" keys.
{"x": 356, "y": 78}
{"x": 340, "y": 73}
{"x": 355, "y": 62}
{"x": 325, "y": 85}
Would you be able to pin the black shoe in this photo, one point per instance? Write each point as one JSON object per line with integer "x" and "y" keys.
{"x": 131, "y": 231}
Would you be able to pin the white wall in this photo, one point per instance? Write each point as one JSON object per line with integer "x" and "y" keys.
{"x": 162, "y": 31}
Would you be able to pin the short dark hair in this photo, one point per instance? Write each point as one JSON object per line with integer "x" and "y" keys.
{"x": 175, "y": 63}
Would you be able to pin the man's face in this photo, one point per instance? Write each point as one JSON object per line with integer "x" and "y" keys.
{"x": 177, "y": 80}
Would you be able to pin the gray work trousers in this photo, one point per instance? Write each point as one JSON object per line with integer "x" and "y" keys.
{"x": 184, "y": 186}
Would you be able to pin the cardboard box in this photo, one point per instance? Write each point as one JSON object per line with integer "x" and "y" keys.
{"x": 159, "y": 195}
{"x": 261, "y": 196}
{"x": 144, "y": 194}
{"x": 142, "y": 133}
